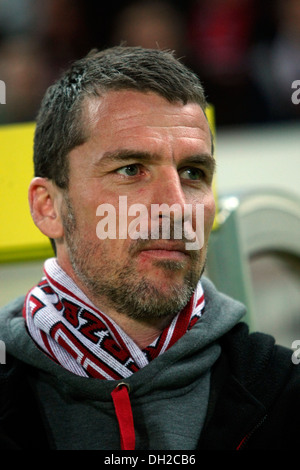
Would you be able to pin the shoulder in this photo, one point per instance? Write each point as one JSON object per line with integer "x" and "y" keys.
{"x": 13, "y": 308}
{"x": 218, "y": 302}
{"x": 254, "y": 358}
{"x": 249, "y": 354}
{"x": 19, "y": 407}
{"x": 254, "y": 395}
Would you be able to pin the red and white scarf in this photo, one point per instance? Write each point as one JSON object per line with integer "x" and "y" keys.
{"x": 74, "y": 333}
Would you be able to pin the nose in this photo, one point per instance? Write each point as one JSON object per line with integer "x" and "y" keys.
{"x": 167, "y": 193}
{"x": 167, "y": 188}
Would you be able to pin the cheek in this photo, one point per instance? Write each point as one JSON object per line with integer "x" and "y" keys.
{"x": 93, "y": 214}
{"x": 87, "y": 225}
{"x": 210, "y": 209}
{"x": 209, "y": 214}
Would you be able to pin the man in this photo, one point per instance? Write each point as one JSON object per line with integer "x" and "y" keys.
{"x": 123, "y": 344}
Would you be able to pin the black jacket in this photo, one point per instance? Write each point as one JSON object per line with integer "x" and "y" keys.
{"x": 254, "y": 399}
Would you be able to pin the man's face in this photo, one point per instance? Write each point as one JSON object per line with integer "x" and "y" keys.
{"x": 150, "y": 151}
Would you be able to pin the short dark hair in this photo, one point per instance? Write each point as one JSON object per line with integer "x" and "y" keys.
{"x": 59, "y": 127}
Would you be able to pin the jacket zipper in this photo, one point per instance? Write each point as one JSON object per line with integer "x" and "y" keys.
{"x": 245, "y": 439}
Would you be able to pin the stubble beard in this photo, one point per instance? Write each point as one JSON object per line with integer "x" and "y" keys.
{"x": 121, "y": 287}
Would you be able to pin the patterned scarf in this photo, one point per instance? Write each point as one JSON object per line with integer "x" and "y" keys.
{"x": 75, "y": 334}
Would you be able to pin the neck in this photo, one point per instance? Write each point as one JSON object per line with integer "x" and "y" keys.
{"x": 142, "y": 332}
{"x": 73, "y": 322}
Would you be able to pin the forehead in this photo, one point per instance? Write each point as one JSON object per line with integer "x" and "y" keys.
{"x": 128, "y": 112}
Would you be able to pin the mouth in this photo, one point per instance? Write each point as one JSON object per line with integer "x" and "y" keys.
{"x": 165, "y": 250}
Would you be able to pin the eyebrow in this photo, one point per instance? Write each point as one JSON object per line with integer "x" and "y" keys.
{"x": 206, "y": 159}
{"x": 123, "y": 155}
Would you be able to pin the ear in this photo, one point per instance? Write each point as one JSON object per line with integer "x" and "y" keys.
{"x": 45, "y": 203}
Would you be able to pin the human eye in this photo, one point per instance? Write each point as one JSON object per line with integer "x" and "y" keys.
{"x": 192, "y": 173}
{"x": 129, "y": 170}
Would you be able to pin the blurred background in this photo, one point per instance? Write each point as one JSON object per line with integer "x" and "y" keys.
{"x": 247, "y": 55}
{"x": 246, "y": 52}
